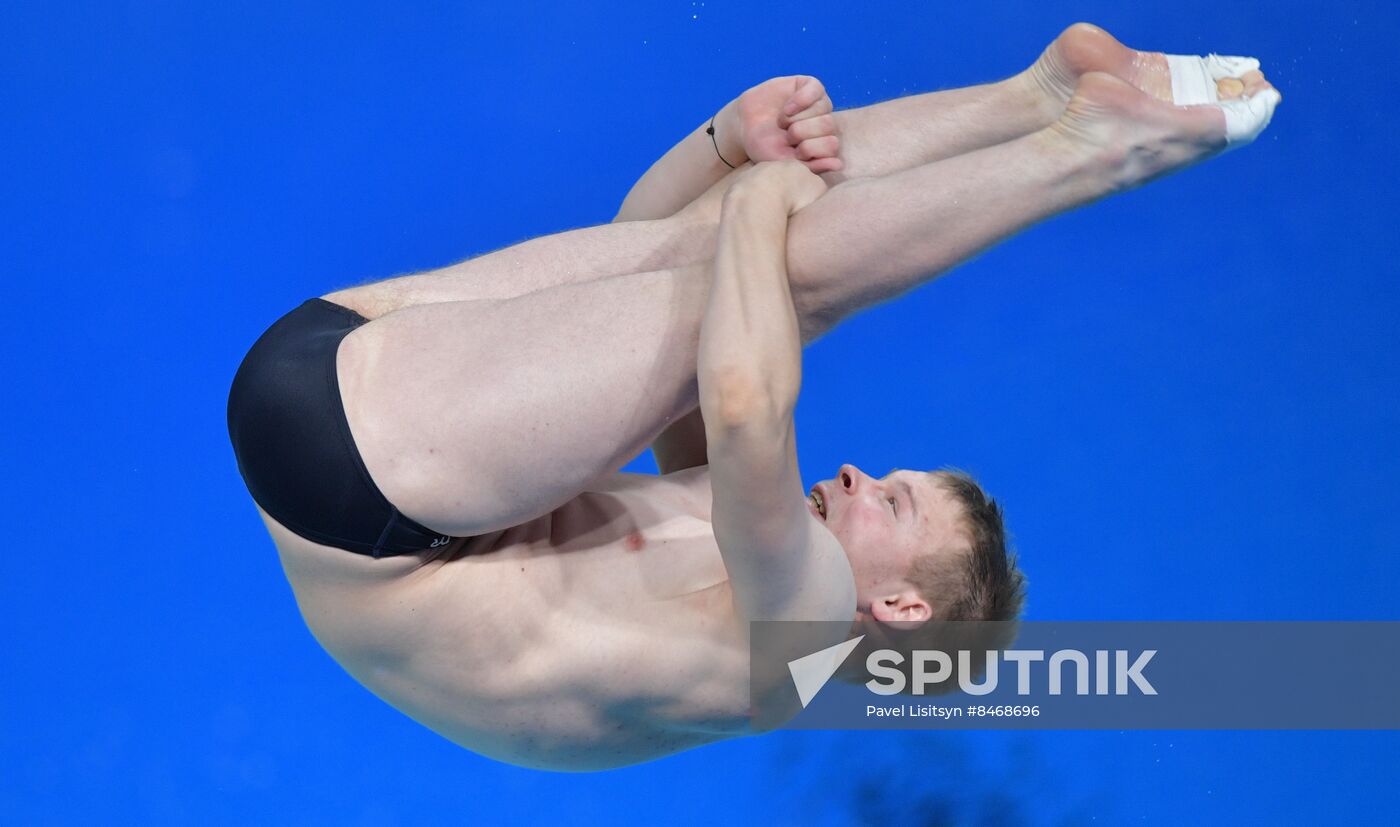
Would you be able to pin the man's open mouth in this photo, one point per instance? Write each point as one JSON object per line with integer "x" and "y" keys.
{"x": 818, "y": 502}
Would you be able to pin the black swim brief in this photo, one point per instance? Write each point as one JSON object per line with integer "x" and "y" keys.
{"x": 293, "y": 443}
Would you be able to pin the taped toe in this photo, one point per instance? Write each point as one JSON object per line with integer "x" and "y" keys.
{"x": 1245, "y": 118}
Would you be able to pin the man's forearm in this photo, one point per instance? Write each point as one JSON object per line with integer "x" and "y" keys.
{"x": 687, "y": 170}
{"x": 750, "y": 351}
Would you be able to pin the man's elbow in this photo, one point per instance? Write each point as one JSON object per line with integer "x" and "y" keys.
{"x": 739, "y": 397}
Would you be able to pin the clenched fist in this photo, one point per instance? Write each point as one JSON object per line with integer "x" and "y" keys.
{"x": 790, "y": 118}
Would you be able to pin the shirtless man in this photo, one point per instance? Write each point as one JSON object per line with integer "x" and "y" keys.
{"x": 436, "y": 455}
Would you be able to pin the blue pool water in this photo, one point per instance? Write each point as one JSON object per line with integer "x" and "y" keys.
{"x": 1188, "y": 398}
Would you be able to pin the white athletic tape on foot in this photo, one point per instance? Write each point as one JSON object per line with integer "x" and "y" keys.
{"x": 1245, "y": 118}
{"x": 1194, "y": 83}
{"x": 1194, "y": 78}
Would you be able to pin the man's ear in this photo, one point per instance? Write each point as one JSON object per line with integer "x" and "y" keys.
{"x": 903, "y": 610}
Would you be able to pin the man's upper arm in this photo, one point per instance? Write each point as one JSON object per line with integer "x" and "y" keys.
{"x": 782, "y": 564}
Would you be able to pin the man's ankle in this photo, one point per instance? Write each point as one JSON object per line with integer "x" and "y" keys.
{"x": 1027, "y": 89}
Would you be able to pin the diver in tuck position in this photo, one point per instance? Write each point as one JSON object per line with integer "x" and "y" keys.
{"x": 436, "y": 455}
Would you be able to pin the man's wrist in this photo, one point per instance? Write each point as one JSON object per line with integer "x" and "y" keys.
{"x": 752, "y": 202}
{"x": 727, "y": 139}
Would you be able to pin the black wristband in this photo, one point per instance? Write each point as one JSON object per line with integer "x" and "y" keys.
{"x": 711, "y": 132}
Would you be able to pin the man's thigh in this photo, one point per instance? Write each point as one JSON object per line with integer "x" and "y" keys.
{"x": 473, "y": 416}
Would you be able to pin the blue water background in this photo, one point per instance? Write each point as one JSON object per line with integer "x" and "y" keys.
{"x": 1186, "y": 397}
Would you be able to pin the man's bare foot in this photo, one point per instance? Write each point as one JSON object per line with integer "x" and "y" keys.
{"x": 1134, "y": 136}
{"x": 1085, "y": 48}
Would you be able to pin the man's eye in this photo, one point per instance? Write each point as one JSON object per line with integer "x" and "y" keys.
{"x": 894, "y": 506}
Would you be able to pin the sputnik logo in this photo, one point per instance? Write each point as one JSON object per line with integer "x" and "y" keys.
{"x": 811, "y": 672}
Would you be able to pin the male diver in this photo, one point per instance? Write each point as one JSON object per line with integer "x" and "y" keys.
{"x": 436, "y": 455}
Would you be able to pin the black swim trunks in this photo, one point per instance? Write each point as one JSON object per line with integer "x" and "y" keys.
{"x": 293, "y": 443}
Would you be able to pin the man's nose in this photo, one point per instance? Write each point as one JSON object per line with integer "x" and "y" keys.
{"x": 850, "y": 478}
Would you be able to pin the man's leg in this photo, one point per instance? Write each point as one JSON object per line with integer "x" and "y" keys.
{"x": 877, "y": 140}
{"x": 478, "y": 415}
{"x": 895, "y": 135}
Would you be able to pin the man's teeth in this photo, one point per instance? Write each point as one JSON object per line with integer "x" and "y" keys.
{"x": 816, "y": 499}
